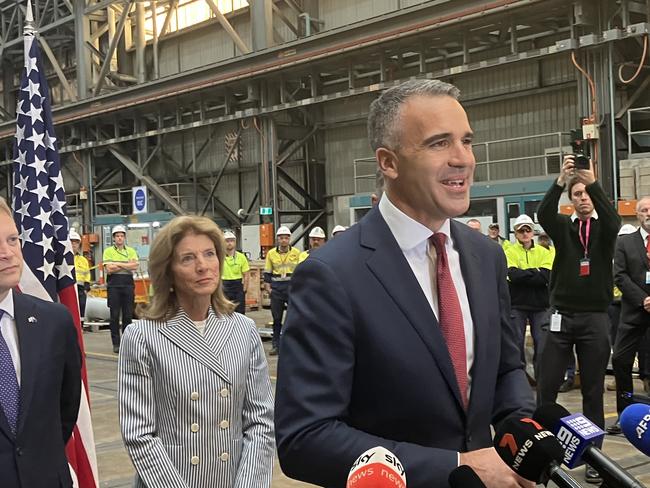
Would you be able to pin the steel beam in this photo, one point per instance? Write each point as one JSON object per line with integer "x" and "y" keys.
{"x": 221, "y": 170}
{"x": 111, "y": 48}
{"x": 84, "y": 61}
{"x": 261, "y": 15}
{"x": 156, "y": 189}
{"x": 241, "y": 45}
{"x": 57, "y": 69}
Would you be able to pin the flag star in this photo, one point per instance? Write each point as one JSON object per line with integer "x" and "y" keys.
{"x": 57, "y": 232}
{"x": 44, "y": 217}
{"x": 32, "y": 88}
{"x": 45, "y": 243}
{"x": 40, "y": 165}
{"x": 26, "y": 235}
{"x": 65, "y": 269}
{"x": 22, "y": 185}
{"x": 49, "y": 140}
{"x": 20, "y": 134}
{"x": 57, "y": 205}
{"x": 37, "y": 139}
{"x": 22, "y": 157}
{"x": 24, "y": 209}
{"x": 19, "y": 108}
{"x": 30, "y": 64}
{"x": 67, "y": 247}
{"x": 58, "y": 181}
{"x": 47, "y": 269}
{"x": 35, "y": 114}
{"x": 41, "y": 191}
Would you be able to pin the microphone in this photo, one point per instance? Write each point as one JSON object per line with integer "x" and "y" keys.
{"x": 577, "y": 434}
{"x": 377, "y": 468}
{"x": 634, "y": 423}
{"x": 465, "y": 477}
{"x": 532, "y": 452}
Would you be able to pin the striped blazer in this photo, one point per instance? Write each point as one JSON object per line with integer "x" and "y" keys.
{"x": 196, "y": 411}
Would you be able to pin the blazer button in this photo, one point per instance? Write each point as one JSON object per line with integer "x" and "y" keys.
{"x": 224, "y": 456}
{"x": 194, "y": 395}
{"x": 224, "y": 392}
{"x": 469, "y": 438}
{"x": 194, "y": 460}
{"x": 224, "y": 424}
{"x": 19, "y": 451}
{"x": 194, "y": 427}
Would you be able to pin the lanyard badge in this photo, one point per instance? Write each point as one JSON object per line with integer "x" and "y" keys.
{"x": 585, "y": 268}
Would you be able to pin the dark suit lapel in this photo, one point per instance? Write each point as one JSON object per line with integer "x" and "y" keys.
{"x": 470, "y": 265}
{"x": 29, "y": 325}
{"x": 391, "y": 268}
{"x": 641, "y": 249}
{"x": 182, "y": 332}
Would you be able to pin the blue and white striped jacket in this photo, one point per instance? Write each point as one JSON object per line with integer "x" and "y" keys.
{"x": 196, "y": 411}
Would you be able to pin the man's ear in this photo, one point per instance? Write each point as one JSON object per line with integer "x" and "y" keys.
{"x": 388, "y": 163}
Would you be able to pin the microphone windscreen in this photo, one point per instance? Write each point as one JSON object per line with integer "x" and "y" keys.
{"x": 377, "y": 468}
{"x": 465, "y": 477}
{"x": 527, "y": 448}
{"x": 549, "y": 415}
{"x": 635, "y": 421}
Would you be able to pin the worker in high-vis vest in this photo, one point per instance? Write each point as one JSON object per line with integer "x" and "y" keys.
{"x": 316, "y": 240}
{"x": 81, "y": 270}
{"x": 280, "y": 263}
{"x": 235, "y": 272}
{"x": 120, "y": 261}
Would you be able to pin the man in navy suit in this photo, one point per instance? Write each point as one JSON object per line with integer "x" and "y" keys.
{"x": 398, "y": 332}
{"x": 40, "y": 377}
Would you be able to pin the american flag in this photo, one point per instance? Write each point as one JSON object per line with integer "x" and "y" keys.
{"x": 39, "y": 212}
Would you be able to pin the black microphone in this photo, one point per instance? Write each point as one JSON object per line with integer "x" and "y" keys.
{"x": 465, "y": 477}
{"x": 576, "y": 434}
{"x": 532, "y": 452}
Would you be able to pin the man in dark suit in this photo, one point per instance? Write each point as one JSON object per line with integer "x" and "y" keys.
{"x": 632, "y": 277}
{"x": 390, "y": 342}
{"x": 40, "y": 377}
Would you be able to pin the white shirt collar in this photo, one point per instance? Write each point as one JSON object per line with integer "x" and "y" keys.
{"x": 574, "y": 216}
{"x": 644, "y": 234}
{"x": 409, "y": 233}
{"x": 8, "y": 304}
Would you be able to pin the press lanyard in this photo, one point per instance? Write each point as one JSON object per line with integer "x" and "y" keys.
{"x": 124, "y": 254}
{"x": 232, "y": 262}
{"x": 585, "y": 241}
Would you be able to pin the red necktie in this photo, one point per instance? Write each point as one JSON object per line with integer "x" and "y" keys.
{"x": 647, "y": 247}
{"x": 450, "y": 316}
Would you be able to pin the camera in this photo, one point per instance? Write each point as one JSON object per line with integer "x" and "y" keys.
{"x": 580, "y": 150}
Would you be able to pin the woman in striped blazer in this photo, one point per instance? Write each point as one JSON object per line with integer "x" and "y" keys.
{"x": 195, "y": 399}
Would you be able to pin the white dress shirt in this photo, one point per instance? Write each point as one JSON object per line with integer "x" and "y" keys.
{"x": 9, "y": 332}
{"x": 413, "y": 239}
{"x": 644, "y": 236}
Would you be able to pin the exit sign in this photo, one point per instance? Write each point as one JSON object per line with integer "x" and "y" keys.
{"x": 266, "y": 210}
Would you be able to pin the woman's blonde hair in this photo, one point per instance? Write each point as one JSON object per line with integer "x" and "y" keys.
{"x": 164, "y": 302}
{"x": 4, "y": 207}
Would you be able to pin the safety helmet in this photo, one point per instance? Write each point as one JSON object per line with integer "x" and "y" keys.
{"x": 229, "y": 235}
{"x": 317, "y": 232}
{"x": 283, "y": 231}
{"x": 337, "y": 229}
{"x": 74, "y": 236}
{"x": 523, "y": 221}
{"x": 118, "y": 228}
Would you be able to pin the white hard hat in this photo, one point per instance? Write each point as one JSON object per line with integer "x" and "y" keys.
{"x": 229, "y": 235}
{"x": 118, "y": 228}
{"x": 74, "y": 236}
{"x": 317, "y": 232}
{"x": 626, "y": 229}
{"x": 283, "y": 231}
{"x": 338, "y": 228}
{"x": 523, "y": 220}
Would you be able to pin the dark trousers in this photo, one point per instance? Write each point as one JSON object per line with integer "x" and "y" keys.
{"x": 589, "y": 332}
{"x": 120, "y": 299}
{"x": 538, "y": 320}
{"x": 628, "y": 341}
{"x": 234, "y": 291}
{"x": 81, "y": 293}
{"x": 279, "y": 301}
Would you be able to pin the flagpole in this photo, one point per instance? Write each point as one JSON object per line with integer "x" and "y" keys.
{"x": 29, "y": 29}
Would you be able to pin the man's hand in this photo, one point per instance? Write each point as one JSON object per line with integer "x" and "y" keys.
{"x": 569, "y": 170}
{"x": 267, "y": 287}
{"x": 646, "y": 304}
{"x": 492, "y": 470}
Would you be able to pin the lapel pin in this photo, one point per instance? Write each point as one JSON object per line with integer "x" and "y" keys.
{"x": 31, "y": 320}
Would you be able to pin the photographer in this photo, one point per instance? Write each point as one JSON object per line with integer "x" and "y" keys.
{"x": 581, "y": 288}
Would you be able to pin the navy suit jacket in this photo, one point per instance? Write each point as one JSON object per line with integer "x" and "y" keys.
{"x": 50, "y": 391}
{"x": 630, "y": 268}
{"x": 363, "y": 362}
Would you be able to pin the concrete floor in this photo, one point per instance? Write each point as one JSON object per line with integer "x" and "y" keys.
{"x": 115, "y": 469}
